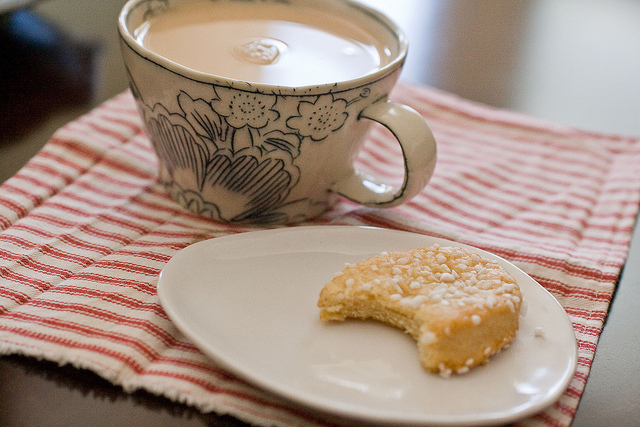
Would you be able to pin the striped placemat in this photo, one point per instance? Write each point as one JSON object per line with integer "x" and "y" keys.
{"x": 86, "y": 229}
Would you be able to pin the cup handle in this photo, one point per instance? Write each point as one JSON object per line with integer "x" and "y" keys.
{"x": 418, "y": 150}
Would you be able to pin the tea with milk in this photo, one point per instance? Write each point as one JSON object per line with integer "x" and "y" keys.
{"x": 264, "y": 43}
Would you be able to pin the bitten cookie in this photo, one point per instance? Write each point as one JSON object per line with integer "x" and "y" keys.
{"x": 461, "y": 308}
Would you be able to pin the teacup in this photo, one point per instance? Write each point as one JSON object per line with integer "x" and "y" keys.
{"x": 257, "y": 109}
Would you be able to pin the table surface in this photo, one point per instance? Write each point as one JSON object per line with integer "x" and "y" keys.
{"x": 572, "y": 62}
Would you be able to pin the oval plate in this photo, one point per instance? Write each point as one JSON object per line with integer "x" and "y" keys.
{"x": 248, "y": 301}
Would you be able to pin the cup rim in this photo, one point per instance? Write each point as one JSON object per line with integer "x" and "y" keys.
{"x": 210, "y": 78}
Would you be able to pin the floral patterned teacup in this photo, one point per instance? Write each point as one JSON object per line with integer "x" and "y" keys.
{"x": 245, "y": 152}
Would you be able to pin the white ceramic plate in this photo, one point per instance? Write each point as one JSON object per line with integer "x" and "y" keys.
{"x": 248, "y": 301}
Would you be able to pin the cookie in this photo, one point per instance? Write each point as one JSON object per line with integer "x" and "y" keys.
{"x": 460, "y": 307}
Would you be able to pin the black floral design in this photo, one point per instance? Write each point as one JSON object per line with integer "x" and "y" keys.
{"x": 180, "y": 151}
{"x": 242, "y": 109}
{"x": 241, "y": 148}
{"x": 257, "y": 181}
{"x": 319, "y": 118}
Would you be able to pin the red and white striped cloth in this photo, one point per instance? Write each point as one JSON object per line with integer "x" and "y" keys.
{"x": 86, "y": 228}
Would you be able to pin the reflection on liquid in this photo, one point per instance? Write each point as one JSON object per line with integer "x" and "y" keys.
{"x": 261, "y": 51}
{"x": 374, "y": 378}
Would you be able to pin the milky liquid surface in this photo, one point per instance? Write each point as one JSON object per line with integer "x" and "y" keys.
{"x": 273, "y": 44}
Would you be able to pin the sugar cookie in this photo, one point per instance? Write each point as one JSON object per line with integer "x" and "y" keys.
{"x": 460, "y": 308}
